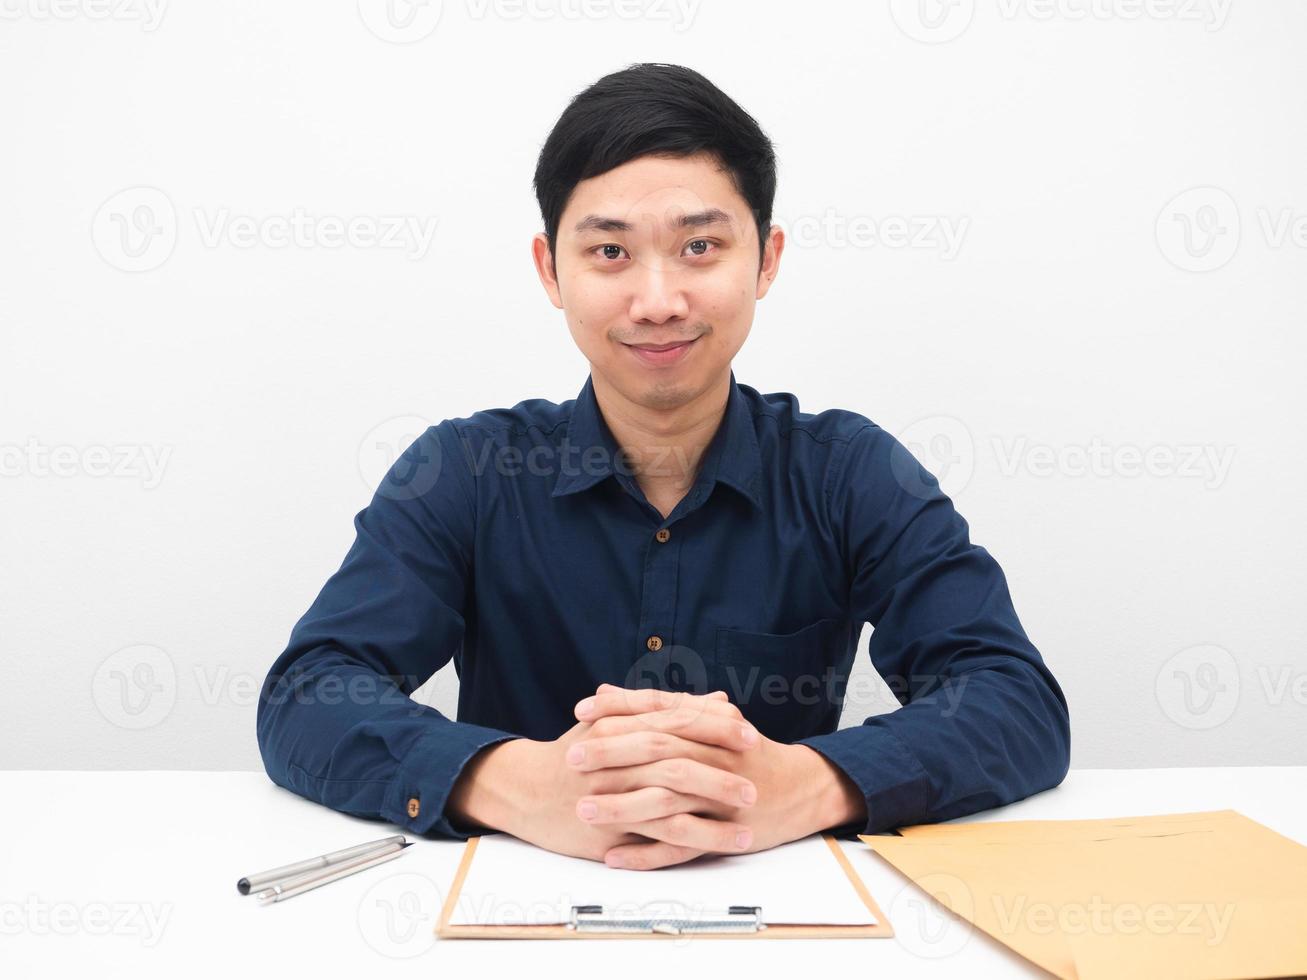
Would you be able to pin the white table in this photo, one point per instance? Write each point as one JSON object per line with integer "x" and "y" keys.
{"x": 133, "y": 874}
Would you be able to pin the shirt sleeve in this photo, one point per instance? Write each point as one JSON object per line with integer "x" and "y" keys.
{"x": 335, "y": 720}
{"x": 982, "y": 722}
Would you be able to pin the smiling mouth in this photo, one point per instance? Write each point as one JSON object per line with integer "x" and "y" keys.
{"x": 663, "y": 347}
{"x": 662, "y": 355}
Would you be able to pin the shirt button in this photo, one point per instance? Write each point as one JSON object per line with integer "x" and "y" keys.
{"x": 414, "y": 807}
{"x": 654, "y": 643}
{"x": 662, "y": 535}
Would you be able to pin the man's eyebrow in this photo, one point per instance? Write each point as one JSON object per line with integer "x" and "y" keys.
{"x": 695, "y": 219}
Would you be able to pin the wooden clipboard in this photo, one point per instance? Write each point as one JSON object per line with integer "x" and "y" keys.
{"x": 880, "y": 930}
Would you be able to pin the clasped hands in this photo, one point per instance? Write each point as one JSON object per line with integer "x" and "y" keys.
{"x": 659, "y": 777}
{"x": 647, "y": 779}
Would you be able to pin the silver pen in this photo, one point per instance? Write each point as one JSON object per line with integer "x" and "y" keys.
{"x": 299, "y": 867}
{"x": 312, "y": 879}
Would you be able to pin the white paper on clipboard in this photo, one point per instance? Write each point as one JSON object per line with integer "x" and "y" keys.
{"x": 512, "y": 882}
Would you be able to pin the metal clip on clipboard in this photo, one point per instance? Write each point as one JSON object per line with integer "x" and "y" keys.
{"x": 736, "y": 918}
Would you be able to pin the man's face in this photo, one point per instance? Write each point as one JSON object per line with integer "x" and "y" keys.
{"x": 658, "y": 251}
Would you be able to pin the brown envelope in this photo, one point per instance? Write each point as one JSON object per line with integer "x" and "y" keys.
{"x": 1204, "y": 895}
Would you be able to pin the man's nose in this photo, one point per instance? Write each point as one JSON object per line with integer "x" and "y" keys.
{"x": 659, "y": 294}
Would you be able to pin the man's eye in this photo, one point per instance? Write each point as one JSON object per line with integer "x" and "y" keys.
{"x": 700, "y": 241}
{"x": 604, "y": 249}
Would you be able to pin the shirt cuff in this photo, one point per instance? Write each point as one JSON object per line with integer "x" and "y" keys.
{"x": 893, "y": 782}
{"x": 428, "y": 774}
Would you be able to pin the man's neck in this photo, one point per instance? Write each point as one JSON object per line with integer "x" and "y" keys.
{"x": 664, "y": 446}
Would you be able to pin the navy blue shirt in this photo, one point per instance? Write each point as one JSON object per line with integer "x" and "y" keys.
{"x": 518, "y": 542}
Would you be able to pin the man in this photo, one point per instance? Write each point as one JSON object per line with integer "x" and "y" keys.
{"x": 653, "y": 593}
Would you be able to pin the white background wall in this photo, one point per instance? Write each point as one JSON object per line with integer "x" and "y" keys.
{"x": 1116, "y": 406}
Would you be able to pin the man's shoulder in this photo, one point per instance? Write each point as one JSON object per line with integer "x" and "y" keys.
{"x": 539, "y": 414}
{"x": 780, "y": 412}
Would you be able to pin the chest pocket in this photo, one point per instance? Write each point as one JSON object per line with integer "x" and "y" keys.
{"x": 778, "y": 680}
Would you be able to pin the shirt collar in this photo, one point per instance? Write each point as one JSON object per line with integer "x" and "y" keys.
{"x": 732, "y": 457}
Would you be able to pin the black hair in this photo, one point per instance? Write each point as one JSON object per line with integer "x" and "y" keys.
{"x": 654, "y": 109}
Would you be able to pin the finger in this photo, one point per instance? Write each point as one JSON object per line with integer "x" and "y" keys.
{"x": 629, "y": 749}
{"x": 645, "y": 803}
{"x": 655, "y": 770}
{"x": 728, "y": 731}
{"x": 705, "y": 833}
{"x": 719, "y": 695}
{"x": 647, "y": 857}
{"x": 621, "y": 701}
{"x": 689, "y": 776}
{"x": 614, "y": 689}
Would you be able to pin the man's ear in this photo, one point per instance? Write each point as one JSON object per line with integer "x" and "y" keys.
{"x": 546, "y": 268}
